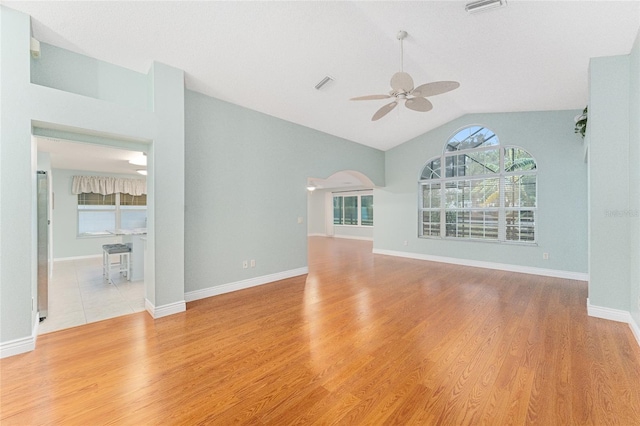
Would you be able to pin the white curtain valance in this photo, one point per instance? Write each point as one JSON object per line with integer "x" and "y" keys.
{"x": 108, "y": 185}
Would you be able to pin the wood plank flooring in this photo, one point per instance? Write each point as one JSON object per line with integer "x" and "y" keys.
{"x": 363, "y": 339}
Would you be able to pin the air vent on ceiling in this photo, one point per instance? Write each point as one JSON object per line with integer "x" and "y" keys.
{"x": 324, "y": 81}
{"x": 484, "y": 5}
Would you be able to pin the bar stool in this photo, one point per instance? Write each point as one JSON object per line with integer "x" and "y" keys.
{"x": 124, "y": 264}
{"x": 105, "y": 257}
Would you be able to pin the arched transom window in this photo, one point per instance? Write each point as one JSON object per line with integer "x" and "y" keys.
{"x": 479, "y": 189}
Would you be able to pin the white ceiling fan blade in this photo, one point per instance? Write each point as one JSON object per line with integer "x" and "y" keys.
{"x": 370, "y": 97}
{"x": 384, "y": 111}
{"x": 402, "y": 82}
{"x": 435, "y": 88}
{"x": 419, "y": 104}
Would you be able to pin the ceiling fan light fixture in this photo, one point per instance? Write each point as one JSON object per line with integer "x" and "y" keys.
{"x": 139, "y": 160}
{"x": 403, "y": 91}
{"x": 484, "y": 5}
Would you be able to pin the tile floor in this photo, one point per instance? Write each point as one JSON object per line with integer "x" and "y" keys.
{"x": 79, "y": 294}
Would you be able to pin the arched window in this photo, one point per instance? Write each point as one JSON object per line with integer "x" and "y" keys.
{"x": 479, "y": 189}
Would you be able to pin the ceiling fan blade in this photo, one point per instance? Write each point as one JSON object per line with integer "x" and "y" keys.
{"x": 435, "y": 88}
{"x": 402, "y": 82}
{"x": 370, "y": 97}
{"x": 419, "y": 104}
{"x": 384, "y": 111}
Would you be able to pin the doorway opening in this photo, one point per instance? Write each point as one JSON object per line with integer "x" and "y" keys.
{"x": 341, "y": 206}
{"x": 79, "y": 292}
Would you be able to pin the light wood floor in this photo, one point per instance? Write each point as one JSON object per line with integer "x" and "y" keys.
{"x": 363, "y": 339}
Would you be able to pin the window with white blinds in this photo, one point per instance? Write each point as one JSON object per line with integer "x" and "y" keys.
{"x": 485, "y": 191}
{"x": 97, "y": 213}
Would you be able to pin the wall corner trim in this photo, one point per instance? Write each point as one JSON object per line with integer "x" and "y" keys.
{"x": 241, "y": 285}
{"x": 614, "y": 315}
{"x": 556, "y": 273}
{"x": 164, "y": 310}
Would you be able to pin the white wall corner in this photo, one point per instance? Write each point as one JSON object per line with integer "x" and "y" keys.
{"x": 164, "y": 310}
{"x": 241, "y": 285}
{"x": 614, "y": 315}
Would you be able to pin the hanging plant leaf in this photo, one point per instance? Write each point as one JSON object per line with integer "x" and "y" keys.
{"x": 581, "y": 122}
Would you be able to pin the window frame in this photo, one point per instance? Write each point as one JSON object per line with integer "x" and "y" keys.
{"x": 358, "y": 195}
{"x": 441, "y": 179}
{"x": 117, "y": 210}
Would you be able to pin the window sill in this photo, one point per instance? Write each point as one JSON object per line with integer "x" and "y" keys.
{"x": 95, "y": 235}
{"x": 478, "y": 240}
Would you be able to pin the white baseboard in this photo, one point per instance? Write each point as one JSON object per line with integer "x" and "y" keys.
{"x": 62, "y": 259}
{"x": 241, "y": 285}
{"x": 346, "y": 237}
{"x": 164, "y": 310}
{"x": 579, "y": 276}
{"x": 17, "y": 346}
{"x": 353, "y": 237}
{"x": 21, "y": 345}
{"x": 635, "y": 329}
{"x": 614, "y": 315}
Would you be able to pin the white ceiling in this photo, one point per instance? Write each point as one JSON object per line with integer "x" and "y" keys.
{"x": 268, "y": 56}
{"x": 71, "y": 155}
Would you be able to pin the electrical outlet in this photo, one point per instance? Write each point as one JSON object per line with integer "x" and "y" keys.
{"x": 405, "y": 243}
{"x": 253, "y": 263}
{"x": 300, "y": 220}
{"x": 245, "y": 264}
{"x": 545, "y": 256}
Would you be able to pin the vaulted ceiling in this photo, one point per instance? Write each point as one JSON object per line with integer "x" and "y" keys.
{"x": 268, "y": 56}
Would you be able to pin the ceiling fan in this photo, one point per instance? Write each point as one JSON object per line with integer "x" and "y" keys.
{"x": 402, "y": 90}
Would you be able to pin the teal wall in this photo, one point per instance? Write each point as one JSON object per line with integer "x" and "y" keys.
{"x": 634, "y": 178}
{"x": 26, "y": 104}
{"x": 17, "y": 177}
{"x": 614, "y": 190}
{"x": 71, "y": 72}
{"x": 609, "y": 210}
{"x": 562, "y": 193}
{"x": 246, "y": 188}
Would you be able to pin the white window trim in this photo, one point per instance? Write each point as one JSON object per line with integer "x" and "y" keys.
{"x": 118, "y": 218}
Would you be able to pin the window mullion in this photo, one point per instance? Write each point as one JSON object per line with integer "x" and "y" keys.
{"x": 118, "y": 226}
{"x": 443, "y": 208}
{"x": 502, "y": 215}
